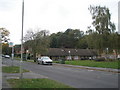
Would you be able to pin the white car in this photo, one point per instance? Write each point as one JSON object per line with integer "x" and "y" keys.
{"x": 7, "y": 56}
{"x": 44, "y": 60}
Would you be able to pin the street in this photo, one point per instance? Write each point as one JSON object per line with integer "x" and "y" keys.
{"x": 75, "y": 77}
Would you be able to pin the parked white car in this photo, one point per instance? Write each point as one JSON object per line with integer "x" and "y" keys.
{"x": 44, "y": 60}
{"x": 7, "y": 56}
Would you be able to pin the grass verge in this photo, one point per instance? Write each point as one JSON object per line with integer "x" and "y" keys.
{"x": 12, "y": 69}
{"x": 92, "y": 63}
{"x": 36, "y": 83}
{"x": 17, "y": 58}
{"x": 30, "y": 61}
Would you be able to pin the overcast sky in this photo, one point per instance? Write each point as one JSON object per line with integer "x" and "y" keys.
{"x": 52, "y": 15}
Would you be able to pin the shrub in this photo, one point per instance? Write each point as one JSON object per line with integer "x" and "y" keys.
{"x": 100, "y": 59}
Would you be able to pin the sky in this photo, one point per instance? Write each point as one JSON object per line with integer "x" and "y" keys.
{"x": 52, "y": 15}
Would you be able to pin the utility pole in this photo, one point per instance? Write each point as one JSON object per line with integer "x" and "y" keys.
{"x": 119, "y": 17}
{"x": 12, "y": 54}
{"x": 21, "y": 74}
{"x": 0, "y": 61}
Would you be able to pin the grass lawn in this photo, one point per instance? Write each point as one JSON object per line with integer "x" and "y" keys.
{"x": 12, "y": 69}
{"x": 17, "y": 58}
{"x": 92, "y": 63}
{"x": 36, "y": 83}
{"x": 30, "y": 60}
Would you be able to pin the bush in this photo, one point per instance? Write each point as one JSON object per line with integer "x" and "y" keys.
{"x": 100, "y": 59}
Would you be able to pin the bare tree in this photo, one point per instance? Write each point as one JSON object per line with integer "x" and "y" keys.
{"x": 37, "y": 41}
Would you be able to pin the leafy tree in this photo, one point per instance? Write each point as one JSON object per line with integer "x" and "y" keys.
{"x": 103, "y": 28}
{"x": 6, "y": 50}
{"x": 38, "y": 42}
{"x": 101, "y": 19}
{"x": 67, "y": 39}
{"x": 54, "y": 40}
{"x": 4, "y": 47}
{"x": 82, "y": 43}
{"x": 4, "y": 34}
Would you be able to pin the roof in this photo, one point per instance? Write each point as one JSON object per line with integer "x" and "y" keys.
{"x": 73, "y": 52}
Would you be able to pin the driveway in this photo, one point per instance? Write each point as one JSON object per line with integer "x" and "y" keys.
{"x": 75, "y": 77}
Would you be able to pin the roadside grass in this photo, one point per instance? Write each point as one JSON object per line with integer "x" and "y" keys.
{"x": 17, "y": 58}
{"x": 56, "y": 61}
{"x": 92, "y": 63}
{"x": 36, "y": 83}
{"x": 30, "y": 61}
{"x": 12, "y": 69}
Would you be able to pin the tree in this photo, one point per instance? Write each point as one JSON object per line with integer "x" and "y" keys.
{"x": 38, "y": 42}
{"x": 82, "y": 43}
{"x": 4, "y": 34}
{"x": 4, "y": 47}
{"x": 103, "y": 27}
{"x": 54, "y": 40}
{"x": 101, "y": 19}
{"x": 6, "y": 50}
{"x": 67, "y": 39}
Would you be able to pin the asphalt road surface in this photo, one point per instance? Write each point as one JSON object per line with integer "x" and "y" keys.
{"x": 75, "y": 77}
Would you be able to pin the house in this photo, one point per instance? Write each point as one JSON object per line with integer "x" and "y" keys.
{"x": 70, "y": 54}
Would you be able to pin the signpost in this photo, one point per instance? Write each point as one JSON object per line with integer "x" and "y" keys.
{"x": 12, "y": 54}
{"x": 11, "y": 44}
{"x": 119, "y": 17}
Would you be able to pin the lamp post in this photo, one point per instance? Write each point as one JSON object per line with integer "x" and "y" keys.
{"x": 21, "y": 74}
{"x": 12, "y": 53}
{"x": 27, "y": 54}
{"x": 107, "y": 52}
{"x": 69, "y": 55}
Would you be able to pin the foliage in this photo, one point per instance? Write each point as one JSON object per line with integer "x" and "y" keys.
{"x": 37, "y": 42}
{"x": 6, "y": 50}
{"x": 104, "y": 33}
{"x": 36, "y": 83}
{"x": 101, "y": 19}
{"x": 4, "y": 38}
{"x": 67, "y": 39}
{"x": 4, "y": 34}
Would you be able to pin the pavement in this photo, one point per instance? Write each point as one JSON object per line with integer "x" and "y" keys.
{"x": 32, "y": 75}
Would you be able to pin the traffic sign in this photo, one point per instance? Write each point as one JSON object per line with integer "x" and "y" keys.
{"x": 11, "y": 44}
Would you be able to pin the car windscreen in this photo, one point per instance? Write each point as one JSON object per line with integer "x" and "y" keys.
{"x": 45, "y": 59}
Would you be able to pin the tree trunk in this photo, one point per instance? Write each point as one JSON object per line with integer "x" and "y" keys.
{"x": 34, "y": 57}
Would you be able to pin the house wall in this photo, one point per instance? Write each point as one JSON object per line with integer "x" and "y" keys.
{"x": 68, "y": 57}
{"x": 72, "y": 57}
{"x": 76, "y": 57}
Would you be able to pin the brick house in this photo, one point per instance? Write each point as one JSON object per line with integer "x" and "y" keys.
{"x": 71, "y": 54}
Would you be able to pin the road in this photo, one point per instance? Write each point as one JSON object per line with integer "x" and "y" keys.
{"x": 75, "y": 77}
